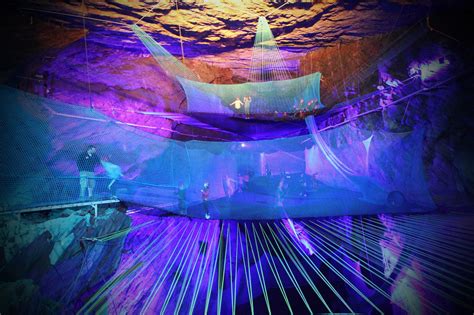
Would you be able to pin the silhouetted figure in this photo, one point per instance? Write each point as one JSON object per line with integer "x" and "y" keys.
{"x": 86, "y": 163}
{"x": 268, "y": 171}
{"x": 247, "y": 101}
{"x": 280, "y": 194}
{"x": 181, "y": 192}
{"x": 229, "y": 186}
{"x": 237, "y": 103}
{"x": 205, "y": 199}
{"x": 114, "y": 172}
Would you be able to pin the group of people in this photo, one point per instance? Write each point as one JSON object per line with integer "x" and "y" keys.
{"x": 88, "y": 160}
{"x": 238, "y": 104}
{"x": 300, "y": 108}
{"x": 303, "y": 106}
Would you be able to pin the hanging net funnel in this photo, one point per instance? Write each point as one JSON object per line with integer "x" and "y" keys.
{"x": 271, "y": 91}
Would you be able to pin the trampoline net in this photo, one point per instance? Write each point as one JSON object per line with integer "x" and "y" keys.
{"x": 270, "y": 90}
{"x": 256, "y": 98}
{"x": 341, "y": 171}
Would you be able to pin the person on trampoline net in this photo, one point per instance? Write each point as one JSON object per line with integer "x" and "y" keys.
{"x": 237, "y": 104}
{"x": 86, "y": 163}
{"x": 205, "y": 198}
{"x": 247, "y": 101}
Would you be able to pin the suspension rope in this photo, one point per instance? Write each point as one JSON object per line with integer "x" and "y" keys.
{"x": 180, "y": 34}
{"x": 148, "y": 12}
{"x": 87, "y": 54}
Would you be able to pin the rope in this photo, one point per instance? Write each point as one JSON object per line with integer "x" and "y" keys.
{"x": 180, "y": 35}
{"x": 87, "y": 54}
{"x": 277, "y": 8}
{"x": 74, "y": 15}
{"x": 148, "y": 12}
{"x": 439, "y": 32}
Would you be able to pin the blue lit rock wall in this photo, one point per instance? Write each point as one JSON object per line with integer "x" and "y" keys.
{"x": 46, "y": 260}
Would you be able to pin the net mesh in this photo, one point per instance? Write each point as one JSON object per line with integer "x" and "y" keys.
{"x": 338, "y": 172}
{"x": 270, "y": 92}
{"x": 273, "y": 97}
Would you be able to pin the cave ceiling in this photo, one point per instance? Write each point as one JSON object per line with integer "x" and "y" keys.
{"x": 337, "y": 38}
{"x": 215, "y": 27}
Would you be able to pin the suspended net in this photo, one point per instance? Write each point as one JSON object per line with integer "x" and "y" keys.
{"x": 342, "y": 171}
{"x": 289, "y": 96}
{"x": 270, "y": 90}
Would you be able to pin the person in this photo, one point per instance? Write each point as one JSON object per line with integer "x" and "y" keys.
{"x": 114, "y": 172}
{"x": 181, "y": 198}
{"x": 229, "y": 186}
{"x": 303, "y": 185}
{"x": 315, "y": 183}
{"x": 268, "y": 171}
{"x": 237, "y": 103}
{"x": 205, "y": 198}
{"x": 280, "y": 193}
{"x": 297, "y": 231}
{"x": 86, "y": 163}
{"x": 240, "y": 183}
{"x": 247, "y": 100}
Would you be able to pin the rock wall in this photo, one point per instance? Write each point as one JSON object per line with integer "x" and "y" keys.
{"x": 53, "y": 259}
{"x": 436, "y": 99}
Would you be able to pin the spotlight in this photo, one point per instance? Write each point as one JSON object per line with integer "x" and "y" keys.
{"x": 242, "y": 145}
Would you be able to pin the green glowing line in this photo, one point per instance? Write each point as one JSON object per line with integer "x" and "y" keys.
{"x": 188, "y": 276}
{"x": 234, "y": 294}
{"x": 334, "y": 248}
{"x": 259, "y": 269}
{"x": 89, "y": 306}
{"x": 350, "y": 284}
{"x": 248, "y": 275}
{"x": 165, "y": 272}
{"x": 135, "y": 260}
{"x": 273, "y": 268}
{"x": 221, "y": 271}
{"x": 404, "y": 257}
{"x": 437, "y": 277}
{"x": 187, "y": 254}
{"x": 288, "y": 240}
{"x": 213, "y": 271}
{"x": 205, "y": 263}
{"x": 413, "y": 232}
{"x": 287, "y": 248}
{"x": 422, "y": 251}
{"x": 372, "y": 252}
{"x": 284, "y": 263}
{"x": 328, "y": 283}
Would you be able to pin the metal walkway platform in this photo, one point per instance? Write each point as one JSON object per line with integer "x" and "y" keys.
{"x": 92, "y": 203}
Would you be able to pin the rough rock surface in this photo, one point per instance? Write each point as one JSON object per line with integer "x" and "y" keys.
{"x": 218, "y": 26}
{"x": 51, "y": 258}
{"x": 343, "y": 40}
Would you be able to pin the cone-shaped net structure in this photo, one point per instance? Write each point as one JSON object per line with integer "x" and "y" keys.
{"x": 267, "y": 63}
{"x": 271, "y": 92}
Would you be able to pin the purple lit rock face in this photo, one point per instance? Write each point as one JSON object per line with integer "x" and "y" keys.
{"x": 374, "y": 57}
{"x": 219, "y": 266}
{"x": 217, "y": 45}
